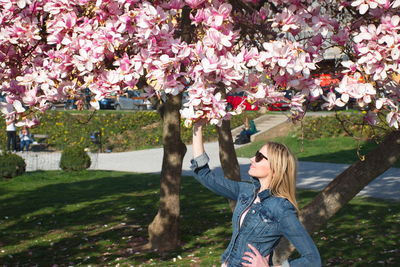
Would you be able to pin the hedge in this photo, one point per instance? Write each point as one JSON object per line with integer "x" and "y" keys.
{"x": 120, "y": 131}
{"x": 11, "y": 165}
{"x": 343, "y": 124}
{"x": 74, "y": 158}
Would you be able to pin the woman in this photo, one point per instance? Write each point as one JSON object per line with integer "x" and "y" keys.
{"x": 265, "y": 207}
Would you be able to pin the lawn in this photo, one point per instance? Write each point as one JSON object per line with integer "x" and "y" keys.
{"x": 100, "y": 218}
{"x": 341, "y": 149}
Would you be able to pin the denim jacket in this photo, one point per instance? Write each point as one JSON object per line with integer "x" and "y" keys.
{"x": 264, "y": 224}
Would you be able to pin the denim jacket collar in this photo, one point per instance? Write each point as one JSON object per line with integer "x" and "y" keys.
{"x": 263, "y": 194}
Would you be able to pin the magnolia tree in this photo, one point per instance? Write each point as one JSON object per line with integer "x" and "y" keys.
{"x": 50, "y": 50}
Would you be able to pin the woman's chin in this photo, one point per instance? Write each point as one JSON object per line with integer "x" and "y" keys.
{"x": 251, "y": 173}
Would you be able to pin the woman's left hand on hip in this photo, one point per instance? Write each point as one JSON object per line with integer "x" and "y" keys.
{"x": 255, "y": 258}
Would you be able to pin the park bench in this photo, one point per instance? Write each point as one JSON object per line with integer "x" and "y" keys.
{"x": 40, "y": 142}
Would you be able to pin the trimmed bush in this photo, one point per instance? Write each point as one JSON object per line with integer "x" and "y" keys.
{"x": 74, "y": 158}
{"x": 11, "y": 165}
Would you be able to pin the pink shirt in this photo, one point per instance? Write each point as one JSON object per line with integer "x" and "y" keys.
{"x": 256, "y": 200}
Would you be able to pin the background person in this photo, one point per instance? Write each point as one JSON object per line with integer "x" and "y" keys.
{"x": 11, "y": 135}
{"x": 244, "y": 136}
{"x": 25, "y": 139}
{"x": 265, "y": 209}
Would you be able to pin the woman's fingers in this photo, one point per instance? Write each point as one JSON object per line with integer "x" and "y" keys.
{"x": 249, "y": 259}
{"x": 248, "y": 253}
{"x": 254, "y": 250}
{"x": 255, "y": 258}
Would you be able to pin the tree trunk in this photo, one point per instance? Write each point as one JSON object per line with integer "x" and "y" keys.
{"x": 164, "y": 229}
{"x": 344, "y": 188}
{"x": 227, "y": 154}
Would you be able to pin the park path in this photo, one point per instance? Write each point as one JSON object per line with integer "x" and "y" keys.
{"x": 312, "y": 175}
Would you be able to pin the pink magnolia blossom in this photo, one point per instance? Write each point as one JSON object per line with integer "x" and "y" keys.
{"x": 204, "y": 103}
{"x": 351, "y": 87}
{"x": 194, "y": 3}
{"x": 286, "y": 20}
{"x": 350, "y": 66}
{"x": 320, "y": 23}
{"x": 296, "y": 106}
{"x": 58, "y": 6}
{"x": 393, "y": 118}
{"x": 217, "y": 39}
{"x": 364, "y": 5}
{"x": 332, "y": 101}
{"x": 341, "y": 37}
{"x": 28, "y": 122}
{"x": 174, "y": 4}
{"x": 210, "y": 62}
{"x": 50, "y": 49}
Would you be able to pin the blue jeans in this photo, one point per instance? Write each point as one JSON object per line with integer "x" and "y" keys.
{"x": 25, "y": 143}
{"x": 11, "y": 140}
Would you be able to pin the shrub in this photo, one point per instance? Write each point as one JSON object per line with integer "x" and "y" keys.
{"x": 11, "y": 165}
{"x": 74, "y": 158}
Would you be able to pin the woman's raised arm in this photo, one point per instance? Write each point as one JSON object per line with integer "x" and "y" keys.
{"x": 198, "y": 146}
{"x": 217, "y": 184}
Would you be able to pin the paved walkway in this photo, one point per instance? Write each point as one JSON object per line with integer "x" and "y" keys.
{"x": 311, "y": 175}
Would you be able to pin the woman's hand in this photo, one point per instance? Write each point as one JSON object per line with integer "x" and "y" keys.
{"x": 255, "y": 258}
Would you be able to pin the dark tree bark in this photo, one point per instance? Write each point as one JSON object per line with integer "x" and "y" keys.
{"x": 164, "y": 229}
{"x": 227, "y": 155}
{"x": 344, "y": 188}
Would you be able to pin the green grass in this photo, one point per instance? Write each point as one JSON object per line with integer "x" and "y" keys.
{"x": 100, "y": 218}
{"x": 334, "y": 149}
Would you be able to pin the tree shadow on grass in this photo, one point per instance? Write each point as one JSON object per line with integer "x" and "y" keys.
{"x": 59, "y": 195}
{"x": 79, "y": 249}
{"x": 363, "y": 232}
{"x": 3, "y": 191}
{"x": 78, "y": 210}
{"x": 111, "y": 223}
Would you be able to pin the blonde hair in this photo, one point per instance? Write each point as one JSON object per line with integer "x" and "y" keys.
{"x": 283, "y": 165}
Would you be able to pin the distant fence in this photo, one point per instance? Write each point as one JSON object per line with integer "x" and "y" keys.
{"x": 49, "y": 160}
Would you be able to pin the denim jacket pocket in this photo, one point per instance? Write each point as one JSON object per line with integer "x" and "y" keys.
{"x": 263, "y": 227}
{"x": 266, "y": 219}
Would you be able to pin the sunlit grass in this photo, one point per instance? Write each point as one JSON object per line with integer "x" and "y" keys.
{"x": 335, "y": 149}
{"x": 100, "y": 218}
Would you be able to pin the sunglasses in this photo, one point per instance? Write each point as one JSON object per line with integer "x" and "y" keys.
{"x": 259, "y": 156}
